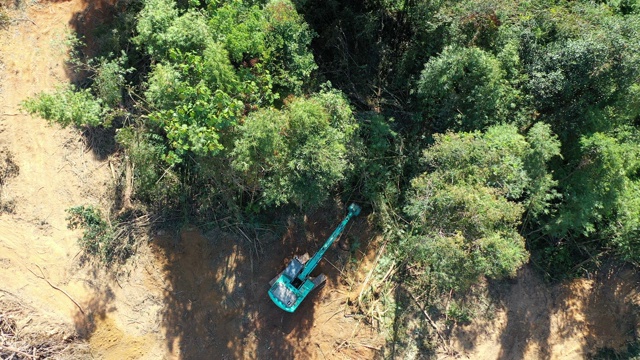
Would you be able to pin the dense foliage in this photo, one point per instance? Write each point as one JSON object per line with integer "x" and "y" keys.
{"x": 481, "y": 133}
{"x": 447, "y": 66}
{"x": 466, "y": 209}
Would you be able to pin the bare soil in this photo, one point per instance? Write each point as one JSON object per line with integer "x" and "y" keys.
{"x": 190, "y": 295}
{"x": 573, "y": 320}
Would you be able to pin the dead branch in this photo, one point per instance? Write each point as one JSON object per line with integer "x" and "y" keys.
{"x": 9, "y": 293}
{"x": 335, "y": 267}
{"x": 25, "y": 18}
{"x": 128, "y": 186}
{"x": 251, "y": 243}
{"x": 113, "y": 171}
{"x": 433, "y": 324}
{"x": 331, "y": 317}
{"x": 16, "y": 351}
{"x": 375, "y": 263}
{"x": 369, "y": 346}
{"x": 321, "y": 352}
{"x": 55, "y": 287}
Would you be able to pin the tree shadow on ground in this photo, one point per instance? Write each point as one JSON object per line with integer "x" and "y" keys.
{"x": 99, "y": 306}
{"x": 526, "y": 303}
{"x": 411, "y": 334}
{"x": 101, "y": 27}
{"x": 611, "y": 305}
{"x": 526, "y": 324}
{"x": 576, "y": 318}
{"x": 101, "y": 141}
{"x": 215, "y": 299}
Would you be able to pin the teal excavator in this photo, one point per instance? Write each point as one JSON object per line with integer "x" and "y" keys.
{"x": 291, "y": 286}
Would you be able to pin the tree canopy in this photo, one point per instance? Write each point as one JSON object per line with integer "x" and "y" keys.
{"x": 466, "y": 209}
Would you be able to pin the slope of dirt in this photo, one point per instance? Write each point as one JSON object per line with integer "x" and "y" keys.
{"x": 56, "y": 171}
{"x": 568, "y": 321}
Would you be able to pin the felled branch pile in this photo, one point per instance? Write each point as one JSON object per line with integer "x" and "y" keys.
{"x": 24, "y": 336}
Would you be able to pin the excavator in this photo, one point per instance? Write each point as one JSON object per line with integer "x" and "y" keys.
{"x": 290, "y": 287}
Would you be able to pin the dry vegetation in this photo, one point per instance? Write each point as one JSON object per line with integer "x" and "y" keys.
{"x": 25, "y": 334}
{"x": 8, "y": 169}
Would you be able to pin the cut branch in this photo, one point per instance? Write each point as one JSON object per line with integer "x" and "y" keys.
{"x": 55, "y": 287}
{"x": 16, "y": 351}
{"x": 432, "y": 323}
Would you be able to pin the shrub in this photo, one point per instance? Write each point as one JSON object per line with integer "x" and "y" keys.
{"x": 5, "y": 19}
{"x": 67, "y": 106}
{"x": 8, "y": 169}
{"x": 109, "y": 80}
{"x": 99, "y": 238}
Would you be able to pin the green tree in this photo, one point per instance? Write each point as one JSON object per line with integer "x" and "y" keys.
{"x": 154, "y": 21}
{"x": 298, "y": 154}
{"x": 289, "y": 38}
{"x": 602, "y": 193}
{"x": 213, "y": 67}
{"x": 195, "y": 100}
{"x": 581, "y": 79}
{"x": 465, "y": 89}
{"x": 272, "y": 41}
{"x": 582, "y": 68}
{"x": 465, "y": 212}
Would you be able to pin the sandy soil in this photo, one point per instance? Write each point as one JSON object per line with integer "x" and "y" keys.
{"x": 567, "y": 321}
{"x": 56, "y": 171}
{"x": 194, "y": 296}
